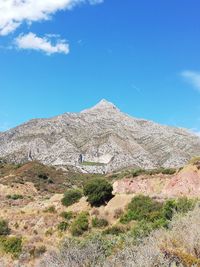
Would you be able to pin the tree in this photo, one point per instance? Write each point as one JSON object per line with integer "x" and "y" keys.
{"x": 98, "y": 191}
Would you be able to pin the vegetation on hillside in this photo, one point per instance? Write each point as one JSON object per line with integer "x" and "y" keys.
{"x": 95, "y": 236}
{"x": 179, "y": 245}
{"x": 71, "y": 196}
{"x": 98, "y": 191}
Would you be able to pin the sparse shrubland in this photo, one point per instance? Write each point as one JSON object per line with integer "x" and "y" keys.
{"x": 130, "y": 173}
{"x": 179, "y": 245}
{"x": 145, "y": 234}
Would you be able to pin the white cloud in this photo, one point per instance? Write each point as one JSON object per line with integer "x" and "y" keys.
{"x": 193, "y": 78}
{"x": 31, "y": 41}
{"x": 14, "y": 12}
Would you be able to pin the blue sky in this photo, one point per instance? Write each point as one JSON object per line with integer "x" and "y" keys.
{"x": 141, "y": 55}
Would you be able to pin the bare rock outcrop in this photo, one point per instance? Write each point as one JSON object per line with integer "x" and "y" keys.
{"x": 184, "y": 183}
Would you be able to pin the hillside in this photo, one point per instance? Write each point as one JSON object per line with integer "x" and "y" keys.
{"x": 100, "y": 139}
{"x": 31, "y": 203}
{"x": 185, "y": 182}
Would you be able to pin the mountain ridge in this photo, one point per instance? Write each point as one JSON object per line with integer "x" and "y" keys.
{"x": 102, "y": 135}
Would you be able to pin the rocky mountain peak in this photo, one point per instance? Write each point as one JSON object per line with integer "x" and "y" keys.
{"x": 103, "y": 105}
{"x": 103, "y": 137}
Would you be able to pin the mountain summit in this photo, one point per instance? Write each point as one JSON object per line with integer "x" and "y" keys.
{"x": 99, "y": 139}
{"x": 103, "y": 105}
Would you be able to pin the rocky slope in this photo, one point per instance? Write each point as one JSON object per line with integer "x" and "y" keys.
{"x": 184, "y": 183}
{"x": 100, "y": 139}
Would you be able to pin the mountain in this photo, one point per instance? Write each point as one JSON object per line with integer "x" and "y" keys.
{"x": 99, "y": 139}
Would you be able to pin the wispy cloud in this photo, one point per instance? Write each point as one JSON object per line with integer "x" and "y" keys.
{"x": 31, "y": 41}
{"x": 14, "y": 12}
{"x": 192, "y": 77}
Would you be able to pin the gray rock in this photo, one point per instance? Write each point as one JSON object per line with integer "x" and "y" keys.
{"x": 102, "y": 135}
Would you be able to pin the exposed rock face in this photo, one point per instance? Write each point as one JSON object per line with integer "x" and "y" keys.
{"x": 146, "y": 185}
{"x": 185, "y": 183}
{"x": 103, "y": 135}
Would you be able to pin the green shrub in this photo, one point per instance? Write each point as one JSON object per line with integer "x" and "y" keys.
{"x": 50, "y": 209}
{"x": 180, "y": 205}
{"x": 183, "y": 204}
{"x": 98, "y": 191}
{"x": 12, "y": 245}
{"x": 114, "y": 230}
{"x": 63, "y": 226}
{"x": 15, "y": 197}
{"x": 67, "y": 215}
{"x": 49, "y": 232}
{"x": 71, "y": 196}
{"x": 142, "y": 208}
{"x": 36, "y": 252}
{"x": 80, "y": 224}
{"x": 169, "y": 171}
{"x": 168, "y": 209}
{"x": 4, "y": 229}
{"x": 43, "y": 176}
{"x": 144, "y": 228}
{"x": 137, "y": 172}
{"x": 99, "y": 222}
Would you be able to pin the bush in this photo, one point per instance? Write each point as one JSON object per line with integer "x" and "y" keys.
{"x": 43, "y": 176}
{"x": 168, "y": 209}
{"x": 114, "y": 230}
{"x": 15, "y": 197}
{"x": 12, "y": 245}
{"x": 169, "y": 171}
{"x": 137, "y": 172}
{"x": 67, "y": 215}
{"x": 181, "y": 205}
{"x": 99, "y": 222}
{"x": 4, "y": 229}
{"x": 63, "y": 226}
{"x": 80, "y": 224}
{"x": 36, "y": 252}
{"x": 71, "y": 196}
{"x": 50, "y": 209}
{"x": 144, "y": 228}
{"x": 142, "y": 208}
{"x": 98, "y": 191}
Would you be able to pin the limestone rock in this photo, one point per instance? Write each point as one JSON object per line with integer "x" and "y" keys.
{"x": 106, "y": 139}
